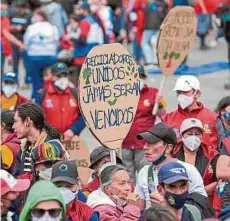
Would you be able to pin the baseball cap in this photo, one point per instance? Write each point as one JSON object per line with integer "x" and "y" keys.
{"x": 84, "y": 5}
{"x": 158, "y": 132}
{"x": 187, "y": 83}
{"x": 171, "y": 173}
{"x": 9, "y": 183}
{"x": 191, "y": 123}
{"x": 100, "y": 152}
{"x": 65, "y": 171}
{"x": 59, "y": 68}
{"x": 10, "y": 76}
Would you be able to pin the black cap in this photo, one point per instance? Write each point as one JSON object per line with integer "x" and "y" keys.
{"x": 7, "y": 118}
{"x": 59, "y": 68}
{"x": 160, "y": 131}
{"x": 65, "y": 171}
{"x": 100, "y": 152}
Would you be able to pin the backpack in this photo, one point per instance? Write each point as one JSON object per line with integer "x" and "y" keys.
{"x": 196, "y": 214}
{"x": 202, "y": 203}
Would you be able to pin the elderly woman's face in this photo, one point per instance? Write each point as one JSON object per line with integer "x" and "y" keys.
{"x": 121, "y": 184}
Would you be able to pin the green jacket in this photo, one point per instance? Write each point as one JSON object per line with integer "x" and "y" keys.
{"x": 41, "y": 191}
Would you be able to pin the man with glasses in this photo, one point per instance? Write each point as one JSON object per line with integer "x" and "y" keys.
{"x": 44, "y": 202}
{"x": 60, "y": 104}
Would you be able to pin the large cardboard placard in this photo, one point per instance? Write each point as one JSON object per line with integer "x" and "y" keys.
{"x": 79, "y": 151}
{"x": 109, "y": 90}
{"x": 177, "y": 35}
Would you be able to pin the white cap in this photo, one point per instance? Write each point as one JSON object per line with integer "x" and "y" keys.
{"x": 191, "y": 123}
{"x": 187, "y": 83}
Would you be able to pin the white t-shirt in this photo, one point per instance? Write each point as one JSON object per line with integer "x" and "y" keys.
{"x": 195, "y": 186}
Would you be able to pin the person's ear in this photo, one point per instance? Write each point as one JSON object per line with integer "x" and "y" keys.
{"x": 168, "y": 149}
{"x": 3, "y": 126}
{"x": 160, "y": 189}
{"x": 28, "y": 122}
{"x": 197, "y": 94}
{"x": 107, "y": 190}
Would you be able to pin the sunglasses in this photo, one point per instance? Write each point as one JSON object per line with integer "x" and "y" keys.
{"x": 52, "y": 212}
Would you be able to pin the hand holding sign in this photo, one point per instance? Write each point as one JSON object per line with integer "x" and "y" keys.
{"x": 109, "y": 93}
{"x": 177, "y": 35}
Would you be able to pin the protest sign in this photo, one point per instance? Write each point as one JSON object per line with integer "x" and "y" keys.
{"x": 79, "y": 151}
{"x": 177, "y": 35}
{"x": 109, "y": 90}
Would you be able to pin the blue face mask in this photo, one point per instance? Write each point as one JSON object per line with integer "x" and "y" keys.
{"x": 227, "y": 116}
{"x": 4, "y": 13}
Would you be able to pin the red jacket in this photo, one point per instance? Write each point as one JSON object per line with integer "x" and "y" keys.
{"x": 206, "y": 116}
{"x": 7, "y": 50}
{"x": 60, "y": 107}
{"x": 144, "y": 118}
{"x": 210, "y": 154}
{"x": 93, "y": 185}
{"x": 78, "y": 211}
{"x": 210, "y": 5}
{"x": 139, "y": 8}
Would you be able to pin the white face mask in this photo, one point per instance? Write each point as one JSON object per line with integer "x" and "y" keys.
{"x": 62, "y": 83}
{"x": 192, "y": 142}
{"x": 68, "y": 195}
{"x": 9, "y": 90}
{"x": 184, "y": 101}
{"x": 120, "y": 201}
{"x": 46, "y": 218}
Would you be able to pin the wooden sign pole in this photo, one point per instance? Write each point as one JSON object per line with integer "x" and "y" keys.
{"x": 156, "y": 106}
{"x": 113, "y": 156}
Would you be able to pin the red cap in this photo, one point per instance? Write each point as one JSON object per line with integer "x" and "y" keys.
{"x": 9, "y": 183}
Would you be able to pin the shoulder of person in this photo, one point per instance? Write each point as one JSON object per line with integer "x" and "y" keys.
{"x": 196, "y": 214}
{"x": 144, "y": 171}
{"x": 210, "y": 113}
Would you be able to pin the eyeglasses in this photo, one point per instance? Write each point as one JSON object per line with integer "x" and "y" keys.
{"x": 52, "y": 212}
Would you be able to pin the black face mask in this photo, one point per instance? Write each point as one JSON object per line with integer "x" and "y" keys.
{"x": 176, "y": 200}
{"x": 159, "y": 160}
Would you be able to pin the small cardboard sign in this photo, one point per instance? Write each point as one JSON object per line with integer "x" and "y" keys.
{"x": 109, "y": 91}
{"x": 177, "y": 35}
{"x": 79, "y": 151}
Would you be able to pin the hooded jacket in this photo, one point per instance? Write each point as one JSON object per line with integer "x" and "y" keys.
{"x": 42, "y": 191}
{"x": 111, "y": 210}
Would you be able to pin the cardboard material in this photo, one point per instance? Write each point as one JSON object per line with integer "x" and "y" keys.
{"x": 177, "y": 36}
{"x": 109, "y": 90}
{"x": 79, "y": 151}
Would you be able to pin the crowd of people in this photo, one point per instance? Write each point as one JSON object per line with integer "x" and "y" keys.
{"x": 177, "y": 169}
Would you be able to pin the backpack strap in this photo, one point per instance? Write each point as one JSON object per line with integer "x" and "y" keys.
{"x": 194, "y": 211}
{"x": 74, "y": 92}
{"x": 150, "y": 178}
